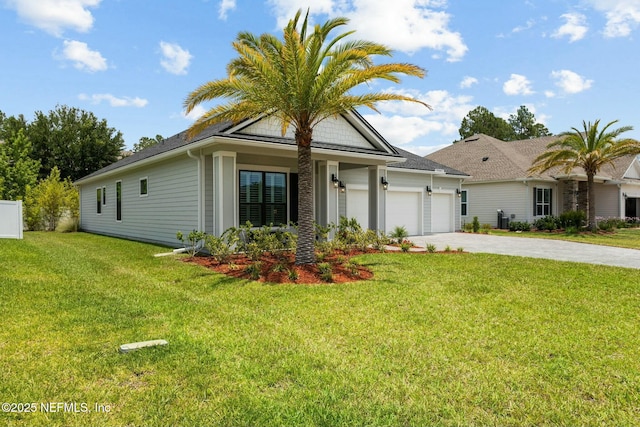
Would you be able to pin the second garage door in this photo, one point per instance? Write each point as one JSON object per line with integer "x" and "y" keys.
{"x": 404, "y": 210}
{"x": 442, "y": 213}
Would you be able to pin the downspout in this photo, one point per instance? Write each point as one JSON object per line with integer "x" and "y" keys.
{"x": 200, "y": 201}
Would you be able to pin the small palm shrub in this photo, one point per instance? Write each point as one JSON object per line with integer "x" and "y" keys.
{"x": 431, "y": 248}
{"x": 326, "y": 272}
{"x": 399, "y": 233}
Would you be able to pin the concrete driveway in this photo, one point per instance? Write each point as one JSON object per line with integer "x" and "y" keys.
{"x": 536, "y": 248}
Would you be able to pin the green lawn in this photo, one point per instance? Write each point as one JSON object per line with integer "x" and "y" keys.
{"x": 435, "y": 339}
{"x": 622, "y": 238}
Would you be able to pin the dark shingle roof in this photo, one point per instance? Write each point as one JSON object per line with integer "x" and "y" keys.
{"x": 489, "y": 159}
{"x": 416, "y": 162}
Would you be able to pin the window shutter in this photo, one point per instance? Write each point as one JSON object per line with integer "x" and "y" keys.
{"x": 535, "y": 192}
{"x": 550, "y": 201}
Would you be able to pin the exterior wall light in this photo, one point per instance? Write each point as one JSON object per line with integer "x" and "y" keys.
{"x": 335, "y": 181}
{"x": 429, "y": 192}
{"x": 458, "y": 192}
{"x": 343, "y": 187}
{"x": 384, "y": 182}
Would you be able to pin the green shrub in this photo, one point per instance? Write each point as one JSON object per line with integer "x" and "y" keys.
{"x": 519, "y": 226}
{"x": 576, "y": 219}
{"x": 49, "y": 201}
{"x": 610, "y": 224}
{"x": 485, "y": 228}
{"x": 398, "y": 234}
{"x": 475, "y": 225}
{"x": 406, "y": 245}
{"x": 431, "y": 248}
{"x": 193, "y": 243}
{"x": 292, "y": 274}
{"x": 548, "y": 223}
{"x": 253, "y": 270}
{"x": 221, "y": 248}
{"x": 468, "y": 227}
{"x": 379, "y": 241}
{"x": 326, "y": 272}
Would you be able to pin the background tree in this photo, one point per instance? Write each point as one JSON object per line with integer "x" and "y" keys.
{"x": 588, "y": 149}
{"x": 145, "y": 142}
{"x": 75, "y": 141}
{"x": 521, "y": 125}
{"x": 9, "y": 126}
{"x": 49, "y": 201}
{"x": 17, "y": 169}
{"x": 481, "y": 120}
{"x": 301, "y": 80}
{"x": 524, "y": 125}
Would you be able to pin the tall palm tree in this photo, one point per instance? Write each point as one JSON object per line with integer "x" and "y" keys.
{"x": 301, "y": 80}
{"x": 589, "y": 149}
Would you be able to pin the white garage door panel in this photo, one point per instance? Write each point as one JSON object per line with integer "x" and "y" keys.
{"x": 442, "y": 213}
{"x": 358, "y": 206}
{"x": 403, "y": 210}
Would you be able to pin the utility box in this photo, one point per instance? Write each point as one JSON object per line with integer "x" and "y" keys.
{"x": 503, "y": 220}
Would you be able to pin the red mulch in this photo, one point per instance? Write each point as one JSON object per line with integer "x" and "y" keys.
{"x": 306, "y": 273}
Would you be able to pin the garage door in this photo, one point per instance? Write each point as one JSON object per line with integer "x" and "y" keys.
{"x": 442, "y": 215}
{"x": 358, "y": 206}
{"x": 403, "y": 209}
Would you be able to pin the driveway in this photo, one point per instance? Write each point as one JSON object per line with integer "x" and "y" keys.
{"x": 536, "y": 248}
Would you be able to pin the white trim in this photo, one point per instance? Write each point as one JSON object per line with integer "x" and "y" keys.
{"x": 98, "y": 201}
{"x": 257, "y": 168}
{"x": 116, "y": 199}
{"x": 140, "y": 194}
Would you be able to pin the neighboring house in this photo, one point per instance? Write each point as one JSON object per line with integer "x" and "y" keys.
{"x": 231, "y": 174}
{"x": 500, "y": 181}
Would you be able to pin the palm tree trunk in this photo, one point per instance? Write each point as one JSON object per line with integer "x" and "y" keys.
{"x": 305, "y": 249}
{"x": 591, "y": 203}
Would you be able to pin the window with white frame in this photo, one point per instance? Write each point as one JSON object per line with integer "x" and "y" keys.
{"x": 118, "y": 200}
{"x": 99, "y": 200}
{"x": 463, "y": 203}
{"x": 263, "y": 198}
{"x": 144, "y": 186}
{"x": 541, "y": 201}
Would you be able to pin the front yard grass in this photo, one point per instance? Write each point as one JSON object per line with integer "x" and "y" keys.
{"x": 446, "y": 339}
{"x": 622, "y": 238}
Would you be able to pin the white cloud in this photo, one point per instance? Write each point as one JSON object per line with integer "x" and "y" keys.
{"x": 54, "y": 16}
{"x": 623, "y": 16}
{"x": 225, "y": 6}
{"x": 530, "y": 23}
{"x": 570, "y": 82}
{"x": 517, "y": 85}
{"x": 175, "y": 59}
{"x": 468, "y": 82}
{"x": 549, "y": 94}
{"x": 403, "y": 122}
{"x": 83, "y": 58}
{"x": 113, "y": 100}
{"x": 195, "y": 114}
{"x": 405, "y": 25}
{"x": 574, "y": 27}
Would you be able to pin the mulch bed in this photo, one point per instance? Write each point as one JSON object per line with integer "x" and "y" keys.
{"x": 275, "y": 269}
{"x": 342, "y": 271}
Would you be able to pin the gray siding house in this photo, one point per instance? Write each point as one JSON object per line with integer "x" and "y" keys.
{"x": 499, "y": 181}
{"x": 232, "y": 173}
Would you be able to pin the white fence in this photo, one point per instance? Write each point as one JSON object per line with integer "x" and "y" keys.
{"x": 10, "y": 219}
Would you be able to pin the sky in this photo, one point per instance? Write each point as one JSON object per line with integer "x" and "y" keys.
{"x": 133, "y": 62}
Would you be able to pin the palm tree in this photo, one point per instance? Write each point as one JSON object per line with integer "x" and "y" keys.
{"x": 589, "y": 149}
{"x": 301, "y": 80}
